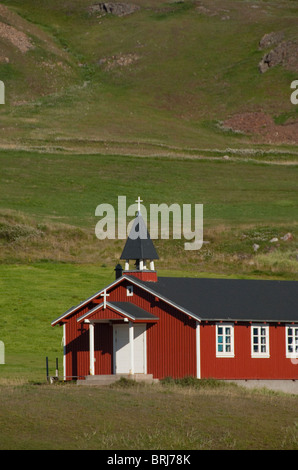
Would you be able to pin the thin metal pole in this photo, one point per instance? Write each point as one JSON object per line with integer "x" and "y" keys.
{"x": 57, "y": 371}
{"x": 47, "y": 367}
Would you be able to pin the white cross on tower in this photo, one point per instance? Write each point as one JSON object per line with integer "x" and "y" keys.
{"x": 139, "y": 200}
{"x": 104, "y": 295}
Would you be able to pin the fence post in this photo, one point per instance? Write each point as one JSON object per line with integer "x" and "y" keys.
{"x": 47, "y": 368}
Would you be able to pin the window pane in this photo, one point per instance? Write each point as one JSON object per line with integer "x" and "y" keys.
{"x": 228, "y": 331}
{"x": 228, "y": 339}
{"x": 256, "y": 349}
{"x": 220, "y": 339}
{"x": 263, "y": 331}
{"x": 290, "y": 331}
{"x": 220, "y": 348}
{"x": 255, "y": 340}
{"x": 220, "y": 330}
{"x": 263, "y": 349}
{"x": 228, "y": 348}
{"x": 255, "y": 331}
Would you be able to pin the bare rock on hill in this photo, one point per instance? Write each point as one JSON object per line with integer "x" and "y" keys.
{"x": 213, "y": 11}
{"x": 120, "y": 60}
{"x": 117, "y": 9}
{"x": 271, "y": 39}
{"x": 285, "y": 54}
{"x": 205, "y": 11}
{"x": 18, "y": 38}
{"x": 263, "y": 128}
{"x": 287, "y": 237}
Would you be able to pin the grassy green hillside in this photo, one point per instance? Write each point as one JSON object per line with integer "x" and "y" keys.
{"x": 47, "y": 210}
{"x": 170, "y": 73}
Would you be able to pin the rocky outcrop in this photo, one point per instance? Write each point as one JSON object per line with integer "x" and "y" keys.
{"x": 271, "y": 39}
{"x": 117, "y": 9}
{"x": 285, "y": 54}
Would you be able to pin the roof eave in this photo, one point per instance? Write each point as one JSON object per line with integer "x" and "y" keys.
{"x": 134, "y": 281}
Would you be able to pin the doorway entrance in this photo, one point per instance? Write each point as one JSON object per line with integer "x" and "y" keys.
{"x": 129, "y": 341}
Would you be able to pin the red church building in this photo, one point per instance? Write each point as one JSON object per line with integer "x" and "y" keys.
{"x": 144, "y": 324}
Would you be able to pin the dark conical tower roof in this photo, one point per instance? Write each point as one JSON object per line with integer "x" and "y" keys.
{"x": 139, "y": 244}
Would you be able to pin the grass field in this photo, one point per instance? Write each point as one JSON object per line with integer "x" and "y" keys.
{"x": 170, "y": 417}
{"x": 184, "y": 416}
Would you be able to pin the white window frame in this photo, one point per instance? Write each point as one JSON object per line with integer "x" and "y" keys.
{"x": 294, "y": 353}
{"x": 261, "y": 329}
{"x": 224, "y": 344}
{"x": 129, "y": 291}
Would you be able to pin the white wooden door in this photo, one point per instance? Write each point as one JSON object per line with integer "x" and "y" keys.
{"x": 122, "y": 349}
{"x": 140, "y": 348}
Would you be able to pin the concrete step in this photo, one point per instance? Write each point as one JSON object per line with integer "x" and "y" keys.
{"x": 102, "y": 380}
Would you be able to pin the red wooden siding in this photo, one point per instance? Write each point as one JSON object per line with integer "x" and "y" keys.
{"x": 171, "y": 342}
{"x": 103, "y": 348}
{"x": 243, "y": 366}
{"x": 105, "y": 314}
{"x": 77, "y": 347}
{"x": 175, "y": 356}
{"x": 143, "y": 275}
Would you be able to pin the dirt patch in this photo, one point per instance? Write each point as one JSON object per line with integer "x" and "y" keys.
{"x": 117, "y": 9}
{"x": 261, "y": 125}
{"x": 121, "y": 60}
{"x": 213, "y": 11}
{"x": 15, "y": 37}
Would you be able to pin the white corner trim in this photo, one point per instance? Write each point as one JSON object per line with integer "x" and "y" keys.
{"x": 64, "y": 351}
{"x": 131, "y": 342}
{"x": 91, "y": 347}
{"x": 198, "y": 349}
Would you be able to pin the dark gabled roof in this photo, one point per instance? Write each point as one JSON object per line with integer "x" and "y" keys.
{"x": 217, "y": 299}
{"x": 139, "y": 244}
{"x": 124, "y": 308}
{"x": 231, "y": 299}
{"x": 133, "y": 311}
